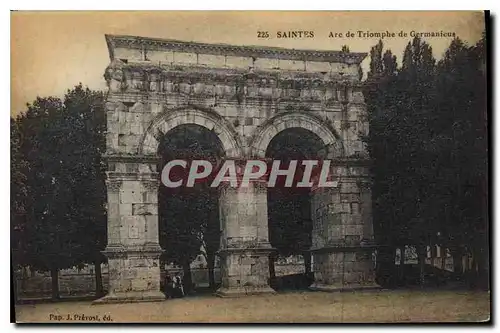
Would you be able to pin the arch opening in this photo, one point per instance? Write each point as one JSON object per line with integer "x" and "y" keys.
{"x": 189, "y": 227}
{"x": 289, "y": 120}
{"x": 209, "y": 119}
{"x": 289, "y": 210}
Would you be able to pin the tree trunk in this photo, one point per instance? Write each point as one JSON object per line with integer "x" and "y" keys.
{"x": 483, "y": 261}
{"x": 14, "y": 287}
{"x": 484, "y": 270}
{"x": 386, "y": 268}
{"x": 272, "y": 271}
{"x": 457, "y": 263}
{"x": 14, "y": 282}
{"x": 422, "y": 249}
{"x": 24, "y": 277}
{"x": 211, "y": 271}
{"x": 162, "y": 264}
{"x": 307, "y": 262}
{"x": 99, "y": 290}
{"x": 480, "y": 264}
{"x": 54, "y": 273}
{"x": 401, "y": 275}
{"x": 442, "y": 252}
{"x": 187, "y": 280}
{"x": 473, "y": 271}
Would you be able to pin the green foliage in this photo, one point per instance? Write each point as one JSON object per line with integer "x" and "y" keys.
{"x": 58, "y": 189}
{"x": 19, "y": 195}
{"x": 428, "y": 145}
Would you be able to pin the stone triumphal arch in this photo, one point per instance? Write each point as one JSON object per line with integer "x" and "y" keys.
{"x": 246, "y": 95}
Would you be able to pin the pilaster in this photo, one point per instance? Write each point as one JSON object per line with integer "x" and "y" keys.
{"x": 133, "y": 250}
{"x": 245, "y": 246}
{"x": 342, "y": 242}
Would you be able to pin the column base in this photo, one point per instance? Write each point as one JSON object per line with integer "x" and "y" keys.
{"x": 244, "y": 291}
{"x": 131, "y": 297}
{"x": 339, "y": 287}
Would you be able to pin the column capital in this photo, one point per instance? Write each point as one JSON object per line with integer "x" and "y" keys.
{"x": 151, "y": 184}
{"x": 364, "y": 184}
{"x": 113, "y": 185}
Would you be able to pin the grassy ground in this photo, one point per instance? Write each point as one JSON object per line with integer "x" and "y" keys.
{"x": 293, "y": 307}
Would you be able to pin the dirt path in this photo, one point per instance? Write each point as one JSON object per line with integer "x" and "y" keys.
{"x": 312, "y": 307}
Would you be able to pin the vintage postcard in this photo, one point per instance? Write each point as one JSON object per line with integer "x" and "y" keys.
{"x": 250, "y": 167}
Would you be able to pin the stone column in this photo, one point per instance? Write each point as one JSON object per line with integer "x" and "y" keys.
{"x": 342, "y": 240}
{"x": 245, "y": 248}
{"x": 133, "y": 249}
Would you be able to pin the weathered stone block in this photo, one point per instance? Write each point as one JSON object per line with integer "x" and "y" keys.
{"x": 185, "y": 58}
{"x": 266, "y": 63}
{"x": 349, "y": 197}
{"x": 128, "y": 53}
{"x": 355, "y": 208}
{"x": 348, "y": 187}
{"x": 144, "y": 209}
{"x": 295, "y": 65}
{"x": 211, "y": 60}
{"x": 129, "y": 141}
{"x": 315, "y": 66}
{"x": 239, "y": 62}
{"x": 130, "y": 196}
{"x": 125, "y": 209}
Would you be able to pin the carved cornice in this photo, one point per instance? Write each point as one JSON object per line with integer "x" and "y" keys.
{"x": 135, "y": 176}
{"x": 365, "y": 184}
{"x": 253, "y": 251}
{"x": 136, "y": 42}
{"x": 113, "y": 251}
{"x": 279, "y": 104}
{"x": 225, "y": 84}
{"x": 194, "y": 74}
{"x": 148, "y": 250}
{"x": 132, "y": 158}
{"x": 351, "y": 161}
{"x": 342, "y": 246}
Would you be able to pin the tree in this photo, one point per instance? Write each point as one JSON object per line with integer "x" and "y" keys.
{"x": 376, "y": 64}
{"x": 462, "y": 105}
{"x": 427, "y": 144}
{"x": 65, "y": 218}
{"x": 381, "y": 100}
{"x": 84, "y": 147}
{"x": 49, "y": 228}
{"x": 19, "y": 195}
{"x": 18, "y": 201}
{"x": 417, "y": 78}
{"x": 399, "y": 110}
{"x": 209, "y": 235}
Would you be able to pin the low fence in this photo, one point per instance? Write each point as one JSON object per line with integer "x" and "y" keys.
{"x": 39, "y": 285}
{"x": 73, "y": 282}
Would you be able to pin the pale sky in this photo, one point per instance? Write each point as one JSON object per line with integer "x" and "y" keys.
{"x": 53, "y": 51}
